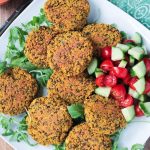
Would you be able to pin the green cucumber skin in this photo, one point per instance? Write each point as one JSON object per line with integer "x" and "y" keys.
{"x": 145, "y": 107}
{"x": 140, "y": 85}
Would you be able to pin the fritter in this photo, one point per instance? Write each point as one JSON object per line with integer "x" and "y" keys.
{"x": 83, "y": 138}
{"x": 102, "y": 35}
{"x": 36, "y": 46}
{"x": 73, "y": 89}
{"x": 17, "y": 90}
{"x": 103, "y": 115}
{"x": 48, "y": 120}
{"x": 67, "y": 15}
{"x": 70, "y": 52}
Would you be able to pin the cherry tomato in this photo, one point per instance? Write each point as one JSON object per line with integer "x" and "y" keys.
{"x": 138, "y": 111}
{"x": 147, "y": 64}
{"x": 127, "y": 102}
{"x": 110, "y": 80}
{"x": 128, "y": 41}
{"x": 100, "y": 80}
{"x": 120, "y": 72}
{"x": 118, "y": 92}
{"x": 126, "y": 80}
{"x": 132, "y": 81}
{"x": 106, "y": 52}
{"x": 106, "y": 65}
{"x": 147, "y": 87}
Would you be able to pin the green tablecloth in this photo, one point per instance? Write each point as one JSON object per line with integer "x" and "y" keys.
{"x": 139, "y": 9}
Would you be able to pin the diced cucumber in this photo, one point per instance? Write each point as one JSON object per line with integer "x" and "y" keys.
{"x": 140, "y": 85}
{"x": 140, "y": 69}
{"x": 132, "y": 73}
{"x": 142, "y": 98}
{"x": 103, "y": 91}
{"x": 145, "y": 107}
{"x": 137, "y": 38}
{"x": 123, "y": 64}
{"x": 128, "y": 113}
{"x": 131, "y": 61}
{"x": 92, "y": 66}
{"x": 145, "y": 49}
{"x": 98, "y": 72}
{"x": 117, "y": 54}
{"x": 123, "y": 47}
{"x": 136, "y": 52}
{"x": 133, "y": 93}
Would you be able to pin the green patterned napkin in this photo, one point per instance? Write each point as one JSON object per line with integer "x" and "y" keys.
{"x": 139, "y": 9}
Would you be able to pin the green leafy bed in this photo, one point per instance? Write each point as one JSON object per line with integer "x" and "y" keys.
{"x": 14, "y": 57}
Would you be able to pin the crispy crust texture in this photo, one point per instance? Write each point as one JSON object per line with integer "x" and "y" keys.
{"x": 36, "y": 46}
{"x": 83, "y": 138}
{"x": 74, "y": 89}
{"x": 17, "y": 90}
{"x": 102, "y": 35}
{"x": 70, "y": 52}
{"x": 103, "y": 115}
{"x": 48, "y": 120}
{"x": 67, "y": 15}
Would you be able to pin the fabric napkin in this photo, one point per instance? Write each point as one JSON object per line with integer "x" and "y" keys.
{"x": 139, "y": 9}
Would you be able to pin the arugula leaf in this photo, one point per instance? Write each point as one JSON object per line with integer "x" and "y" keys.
{"x": 137, "y": 147}
{"x": 60, "y": 147}
{"x": 76, "y": 111}
{"x": 3, "y": 67}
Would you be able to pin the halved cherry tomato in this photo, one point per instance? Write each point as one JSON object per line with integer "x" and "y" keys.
{"x": 126, "y": 80}
{"x": 127, "y": 102}
{"x": 110, "y": 80}
{"x": 127, "y": 41}
{"x": 132, "y": 81}
{"x": 147, "y": 86}
{"x": 120, "y": 72}
{"x": 106, "y": 65}
{"x": 147, "y": 64}
{"x": 100, "y": 80}
{"x": 138, "y": 111}
{"x": 118, "y": 92}
{"x": 106, "y": 52}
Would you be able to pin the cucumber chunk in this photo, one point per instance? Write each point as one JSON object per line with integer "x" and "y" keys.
{"x": 123, "y": 64}
{"x": 123, "y": 47}
{"x": 131, "y": 61}
{"x": 103, "y": 91}
{"x": 145, "y": 107}
{"x": 92, "y": 66}
{"x": 140, "y": 85}
{"x": 134, "y": 93}
{"x": 145, "y": 49}
{"x": 137, "y": 38}
{"x": 98, "y": 72}
{"x": 117, "y": 54}
{"x": 128, "y": 113}
{"x": 142, "y": 98}
{"x": 136, "y": 52}
{"x": 140, "y": 69}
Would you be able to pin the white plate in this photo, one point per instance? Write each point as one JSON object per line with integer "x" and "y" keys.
{"x": 102, "y": 11}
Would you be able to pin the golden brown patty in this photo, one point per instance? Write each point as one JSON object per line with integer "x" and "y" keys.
{"x": 83, "y": 138}
{"x": 36, "y": 46}
{"x": 17, "y": 90}
{"x": 70, "y": 52}
{"x": 103, "y": 115}
{"x": 102, "y": 35}
{"x": 48, "y": 120}
{"x": 73, "y": 89}
{"x": 67, "y": 15}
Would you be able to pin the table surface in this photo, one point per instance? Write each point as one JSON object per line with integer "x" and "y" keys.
{"x": 5, "y": 11}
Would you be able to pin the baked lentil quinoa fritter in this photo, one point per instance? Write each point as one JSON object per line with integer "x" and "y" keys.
{"x": 48, "y": 120}
{"x": 83, "y": 138}
{"x": 70, "y": 52}
{"x": 17, "y": 90}
{"x": 102, "y": 35}
{"x": 36, "y": 45}
{"x": 74, "y": 89}
{"x": 103, "y": 115}
{"x": 67, "y": 15}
